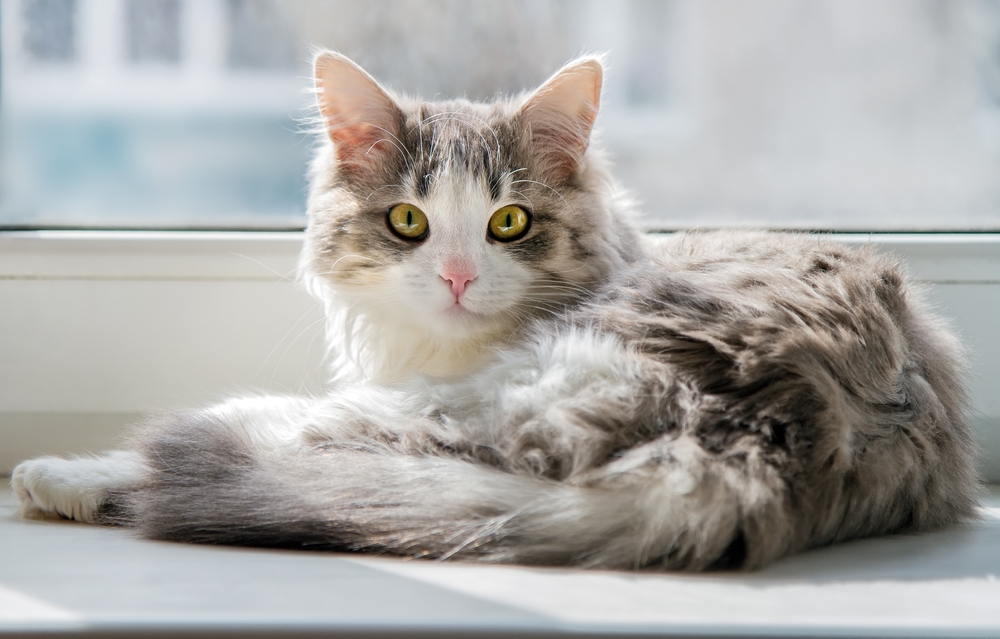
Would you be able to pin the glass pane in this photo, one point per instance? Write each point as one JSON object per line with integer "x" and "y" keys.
{"x": 260, "y": 36}
{"x": 157, "y": 114}
{"x": 154, "y": 30}
{"x": 49, "y": 29}
{"x": 827, "y": 114}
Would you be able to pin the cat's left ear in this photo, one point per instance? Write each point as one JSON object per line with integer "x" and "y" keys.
{"x": 560, "y": 116}
{"x": 360, "y": 117}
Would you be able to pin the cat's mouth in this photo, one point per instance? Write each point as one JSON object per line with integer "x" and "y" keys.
{"x": 461, "y": 318}
{"x": 458, "y": 309}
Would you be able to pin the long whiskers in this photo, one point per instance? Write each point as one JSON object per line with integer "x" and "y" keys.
{"x": 524, "y": 196}
{"x": 330, "y": 269}
{"x": 556, "y": 191}
{"x": 288, "y": 347}
{"x": 286, "y": 277}
{"x": 384, "y": 186}
{"x": 395, "y": 141}
{"x": 285, "y": 336}
{"x": 457, "y": 116}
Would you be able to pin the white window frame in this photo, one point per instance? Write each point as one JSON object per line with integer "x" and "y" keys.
{"x": 102, "y": 79}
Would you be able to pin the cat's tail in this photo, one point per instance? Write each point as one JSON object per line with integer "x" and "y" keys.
{"x": 211, "y": 484}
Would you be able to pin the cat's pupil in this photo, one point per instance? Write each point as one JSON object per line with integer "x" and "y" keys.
{"x": 409, "y": 218}
{"x": 509, "y": 222}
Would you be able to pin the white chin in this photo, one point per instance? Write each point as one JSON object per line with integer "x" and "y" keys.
{"x": 459, "y": 321}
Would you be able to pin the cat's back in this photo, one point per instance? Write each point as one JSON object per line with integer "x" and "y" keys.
{"x": 798, "y": 280}
{"x": 826, "y": 354}
{"x": 760, "y": 265}
{"x": 791, "y": 300}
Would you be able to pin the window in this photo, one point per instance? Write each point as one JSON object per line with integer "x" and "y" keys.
{"x": 151, "y": 114}
{"x": 49, "y": 30}
{"x": 824, "y": 115}
{"x": 647, "y": 83}
{"x": 153, "y": 28}
{"x": 259, "y": 36}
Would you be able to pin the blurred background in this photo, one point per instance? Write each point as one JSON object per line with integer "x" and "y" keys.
{"x": 823, "y": 114}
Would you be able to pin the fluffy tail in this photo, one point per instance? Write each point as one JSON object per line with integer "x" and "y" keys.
{"x": 211, "y": 484}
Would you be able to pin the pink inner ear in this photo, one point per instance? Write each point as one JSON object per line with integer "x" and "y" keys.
{"x": 559, "y": 150}
{"x": 358, "y": 147}
{"x": 361, "y": 119}
{"x": 560, "y": 117}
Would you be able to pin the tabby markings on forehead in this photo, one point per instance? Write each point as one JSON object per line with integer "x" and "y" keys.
{"x": 456, "y": 138}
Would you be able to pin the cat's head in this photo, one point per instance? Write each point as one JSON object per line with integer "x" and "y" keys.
{"x": 447, "y": 225}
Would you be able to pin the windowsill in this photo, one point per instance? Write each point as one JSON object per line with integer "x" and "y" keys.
{"x": 63, "y": 577}
{"x": 158, "y": 255}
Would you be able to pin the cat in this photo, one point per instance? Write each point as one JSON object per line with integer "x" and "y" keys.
{"x": 520, "y": 376}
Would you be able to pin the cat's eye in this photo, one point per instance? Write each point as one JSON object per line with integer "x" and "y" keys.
{"x": 509, "y": 223}
{"x": 407, "y": 221}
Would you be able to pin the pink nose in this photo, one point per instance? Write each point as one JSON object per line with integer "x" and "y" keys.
{"x": 458, "y": 279}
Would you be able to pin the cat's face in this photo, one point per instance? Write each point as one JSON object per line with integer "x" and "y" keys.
{"x": 463, "y": 219}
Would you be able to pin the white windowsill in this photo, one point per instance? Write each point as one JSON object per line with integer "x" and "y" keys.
{"x": 62, "y": 577}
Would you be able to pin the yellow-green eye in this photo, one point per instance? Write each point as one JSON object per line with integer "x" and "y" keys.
{"x": 407, "y": 221}
{"x": 509, "y": 223}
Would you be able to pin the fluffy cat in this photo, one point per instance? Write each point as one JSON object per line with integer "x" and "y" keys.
{"x": 521, "y": 377}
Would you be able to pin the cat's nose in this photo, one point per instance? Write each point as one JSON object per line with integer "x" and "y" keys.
{"x": 458, "y": 280}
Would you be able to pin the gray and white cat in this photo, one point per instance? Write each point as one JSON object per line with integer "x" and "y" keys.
{"x": 521, "y": 377}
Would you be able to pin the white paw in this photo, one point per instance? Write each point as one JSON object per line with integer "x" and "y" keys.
{"x": 71, "y": 488}
{"x": 29, "y": 508}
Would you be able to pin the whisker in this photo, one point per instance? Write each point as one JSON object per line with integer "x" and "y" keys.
{"x": 284, "y": 277}
{"x": 397, "y": 142}
{"x": 546, "y": 186}
{"x": 523, "y": 195}
{"x": 330, "y": 271}
{"x": 513, "y": 171}
{"x": 456, "y": 116}
{"x": 292, "y": 343}
{"x": 283, "y": 337}
{"x": 398, "y": 148}
{"x": 384, "y": 186}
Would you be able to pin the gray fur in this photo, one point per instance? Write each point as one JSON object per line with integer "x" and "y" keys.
{"x": 708, "y": 400}
{"x": 799, "y": 387}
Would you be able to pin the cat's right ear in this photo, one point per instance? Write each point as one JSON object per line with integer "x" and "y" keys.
{"x": 560, "y": 116}
{"x": 360, "y": 117}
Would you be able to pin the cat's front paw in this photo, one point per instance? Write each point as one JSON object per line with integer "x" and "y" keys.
{"x": 50, "y": 487}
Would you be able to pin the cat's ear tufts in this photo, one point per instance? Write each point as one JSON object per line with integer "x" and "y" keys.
{"x": 560, "y": 116}
{"x": 360, "y": 117}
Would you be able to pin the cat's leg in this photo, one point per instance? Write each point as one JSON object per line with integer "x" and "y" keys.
{"x": 524, "y": 464}
{"x": 670, "y": 506}
{"x": 75, "y": 488}
{"x": 630, "y": 480}
{"x": 267, "y": 420}
{"x": 83, "y": 488}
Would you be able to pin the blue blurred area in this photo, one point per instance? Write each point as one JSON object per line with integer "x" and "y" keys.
{"x": 135, "y": 172}
{"x": 872, "y": 115}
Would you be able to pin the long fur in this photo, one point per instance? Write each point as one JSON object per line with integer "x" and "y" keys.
{"x": 708, "y": 400}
